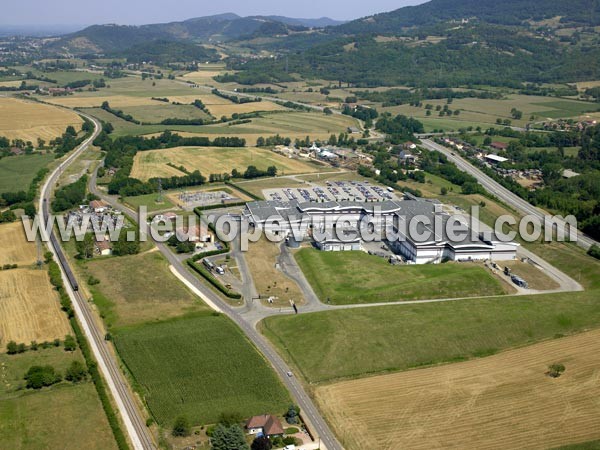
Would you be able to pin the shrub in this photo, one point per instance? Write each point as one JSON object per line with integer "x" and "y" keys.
{"x": 76, "y": 372}
{"x": 38, "y": 377}
{"x": 555, "y": 370}
{"x": 11, "y": 348}
{"x": 181, "y": 427}
{"x": 70, "y": 343}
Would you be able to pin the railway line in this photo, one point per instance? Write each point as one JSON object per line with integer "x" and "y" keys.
{"x": 136, "y": 429}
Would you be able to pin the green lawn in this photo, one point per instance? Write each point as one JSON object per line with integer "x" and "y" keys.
{"x": 161, "y": 111}
{"x": 199, "y": 366}
{"x": 50, "y": 417}
{"x": 16, "y": 172}
{"x": 356, "y": 342}
{"x": 357, "y": 277}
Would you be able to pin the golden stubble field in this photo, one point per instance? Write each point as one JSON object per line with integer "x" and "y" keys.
{"x": 502, "y": 401}
{"x": 153, "y": 163}
{"x": 15, "y": 248}
{"x": 29, "y": 306}
{"x": 29, "y": 121}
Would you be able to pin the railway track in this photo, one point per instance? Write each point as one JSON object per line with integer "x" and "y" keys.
{"x": 136, "y": 429}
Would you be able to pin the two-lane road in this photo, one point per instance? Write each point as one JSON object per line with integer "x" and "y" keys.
{"x": 501, "y": 192}
{"x": 310, "y": 413}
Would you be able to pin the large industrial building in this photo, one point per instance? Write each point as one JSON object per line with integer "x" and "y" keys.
{"x": 428, "y": 242}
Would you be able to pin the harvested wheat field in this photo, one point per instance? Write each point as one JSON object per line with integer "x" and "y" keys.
{"x": 115, "y": 101}
{"x": 29, "y": 308}
{"x": 153, "y": 163}
{"x": 15, "y": 248}
{"x": 28, "y": 121}
{"x": 499, "y": 402}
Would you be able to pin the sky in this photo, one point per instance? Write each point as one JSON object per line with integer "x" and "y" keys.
{"x": 17, "y": 13}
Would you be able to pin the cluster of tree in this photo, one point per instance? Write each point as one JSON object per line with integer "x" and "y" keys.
{"x": 120, "y": 114}
{"x": 38, "y": 377}
{"x": 437, "y": 164}
{"x": 22, "y": 87}
{"x": 255, "y": 77}
{"x": 235, "y": 98}
{"x": 69, "y": 140}
{"x": 70, "y": 195}
{"x": 272, "y": 141}
{"x": 258, "y": 90}
{"x": 201, "y": 106}
{"x": 253, "y": 172}
{"x": 7, "y": 216}
{"x": 12, "y": 348}
{"x": 114, "y": 73}
{"x": 400, "y": 128}
{"x": 396, "y": 97}
{"x": 364, "y": 113}
{"x": 293, "y": 105}
{"x": 163, "y": 52}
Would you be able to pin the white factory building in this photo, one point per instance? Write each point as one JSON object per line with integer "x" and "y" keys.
{"x": 316, "y": 221}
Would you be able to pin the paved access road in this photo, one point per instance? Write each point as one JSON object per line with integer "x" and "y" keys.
{"x": 310, "y": 413}
{"x": 500, "y": 191}
{"x": 139, "y": 434}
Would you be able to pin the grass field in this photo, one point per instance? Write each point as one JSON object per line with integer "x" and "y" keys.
{"x": 62, "y": 416}
{"x": 357, "y": 277}
{"x": 153, "y": 163}
{"x": 16, "y": 172}
{"x": 161, "y": 111}
{"x": 393, "y": 338}
{"x": 473, "y": 404}
{"x": 150, "y": 202}
{"x": 29, "y": 121}
{"x": 29, "y": 308}
{"x": 199, "y": 366}
{"x": 138, "y": 288}
{"x": 261, "y": 258}
{"x": 484, "y": 112}
{"x": 219, "y": 110}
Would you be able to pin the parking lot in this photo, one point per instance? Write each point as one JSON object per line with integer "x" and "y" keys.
{"x": 332, "y": 191}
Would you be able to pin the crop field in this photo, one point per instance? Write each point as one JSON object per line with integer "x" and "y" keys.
{"x": 15, "y": 247}
{"x": 269, "y": 281}
{"x": 357, "y": 277}
{"x": 295, "y": 125}
{"x": 29, "y": 308}
{"x": 473, "y": 404}
{"x": 228, "y": 109}
{"x": 29, "y": 121}
{"x": 153, "y": 163}
{"x": 199, "y": 366}
{"x": 95, "y": 101}
{"x": 51, "y": 417}
{"x": 204, "y": 76}
{"x": 160, "y": 111}
{"x": 484, "y": 112}
{"x": 138, "y": 288}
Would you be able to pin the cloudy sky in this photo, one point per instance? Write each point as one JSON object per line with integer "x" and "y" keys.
{"x": 84, "y": 12}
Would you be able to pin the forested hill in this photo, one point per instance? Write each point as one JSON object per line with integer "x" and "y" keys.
{"x": 222, "y": 27}
{"x": 507, "y": 12}
{"x": 446, "y": 43}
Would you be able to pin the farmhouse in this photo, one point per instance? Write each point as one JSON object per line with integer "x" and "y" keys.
{"x": 431, "y": 243}
{"x": 265, "y": 425}
{"x": 499, "y": 145}
{"x": 103, "y": 247}
{"x": 99, "y": 206}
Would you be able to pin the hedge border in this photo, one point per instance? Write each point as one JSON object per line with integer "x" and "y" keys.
{"x": 212, "y": 280}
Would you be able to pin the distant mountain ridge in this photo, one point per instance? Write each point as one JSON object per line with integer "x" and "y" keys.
{"x": 222, "y": 27}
